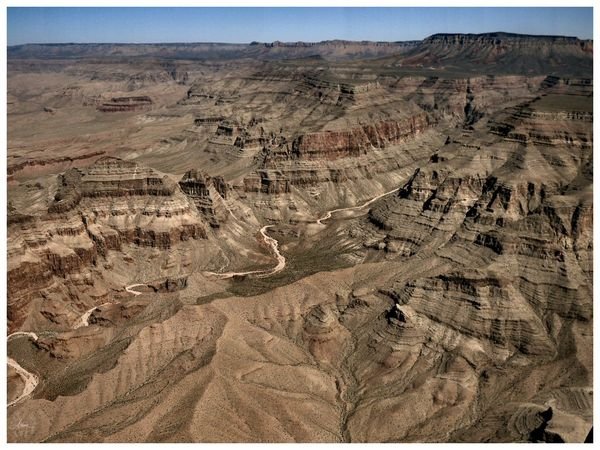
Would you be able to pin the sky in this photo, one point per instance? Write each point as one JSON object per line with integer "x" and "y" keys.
{"x": 243, "y": 25}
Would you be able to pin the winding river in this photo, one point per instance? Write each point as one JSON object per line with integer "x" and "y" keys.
{"x": 350, "y": 208}
{"x": 275, "y": 245}
{"x": 131, "y": 286}
{"x": 259, "y": 273}
{"x": 31, "y": 380}
{"x": 83, "y": 321}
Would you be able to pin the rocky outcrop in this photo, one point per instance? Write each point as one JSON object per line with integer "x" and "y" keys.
{"x": 114, "y": 177}
{"x": 505, "y": 221}
{"x": 68, "y": 194}
{"x": 526, "y": 218}
{"x": 142, "y": 206}
{"x": 126, "y": 104}
{"x": 41, "y": 251}
{"x": 533, "y": 226}
{"x": 170, "y": 284}
{"x": 527, "y": 225}
{"x": 427, "y": 209}
{"x": 221, "y": 186}
{"x": 324, "y": 164}
{"x": 466, "y": 100}
{"x": 109, "y": 177}
{"x": 208, "y": 120}
{"x": 332, "y": 92}
{"x": 225, "y": 129}
{"x": 207, "y": 193}
{"x": 267, "y": 182}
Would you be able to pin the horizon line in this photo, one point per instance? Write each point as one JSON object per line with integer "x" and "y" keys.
{"x": 254, "y": 42}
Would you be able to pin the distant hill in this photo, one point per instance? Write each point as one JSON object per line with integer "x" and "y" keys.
{"x": 333, "y": 50}
{"x": 500, "y": 52}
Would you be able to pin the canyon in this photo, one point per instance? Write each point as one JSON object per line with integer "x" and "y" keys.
{"x": 301, "y": 242}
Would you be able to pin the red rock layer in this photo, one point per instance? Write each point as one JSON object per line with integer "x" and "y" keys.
{"x": 356, "y": 141}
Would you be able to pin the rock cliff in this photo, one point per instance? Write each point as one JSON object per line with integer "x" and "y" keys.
{"x": 95, "y": 210}
{"x": 207, "y": 194}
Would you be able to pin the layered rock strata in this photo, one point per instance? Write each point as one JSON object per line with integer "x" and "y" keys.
{"x": 126, "y": 104}
{"x": 354, "y": 142}
{"x": 208, "y": 194}
{"x": 268, "y": 182}
{"x": 95, "y": 210}
{"x": 538, "y": 122}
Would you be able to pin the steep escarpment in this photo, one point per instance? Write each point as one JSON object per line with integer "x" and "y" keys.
{"x": 207, "y": 194}
{"x": 427, "y": 209}
{"x": 367, "y": 120}
{"x": 511, "y": 53}
{"x": 530, "y": 225}
{"x": 475, "y": 305}
{"x": 372, "y": 164}
{"x": 338, "y": 144}
{"x": 472, "y": 217}
{"x": 40, "y": 252}
{"x": 330, "y": 91}
{"x": 268, "y": 182}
